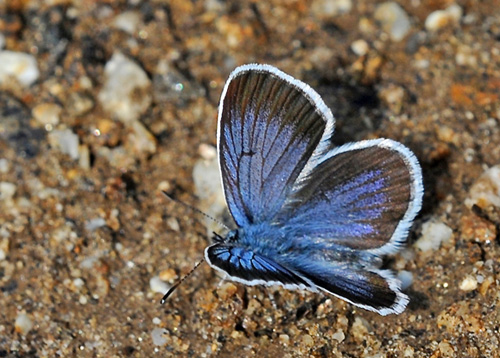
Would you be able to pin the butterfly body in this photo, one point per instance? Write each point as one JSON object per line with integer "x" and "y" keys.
{"x": 309, "y": 216}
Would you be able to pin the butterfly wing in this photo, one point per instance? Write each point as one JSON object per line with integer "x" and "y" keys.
{"x": 270, "y": 126}
{"x": 374, "y": 290}
{"x": 363, "y": 196}
{"x": 245, "y": 266}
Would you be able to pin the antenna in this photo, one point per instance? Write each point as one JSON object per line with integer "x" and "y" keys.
{"x": 172, "y": 289}
{"x": 196, "y": 210}
{"x": 217, "y": 238}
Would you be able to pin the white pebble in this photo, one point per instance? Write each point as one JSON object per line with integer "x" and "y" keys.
{"x": 47, "y": 114}
{"x": 23, "y": 324}
{"x": 339, "y": 336}
{"x": 433, "y": 234}
{"x": 127, "y": 21}
{"x": 468, "y": 284}
{"x": 329, "y": 8}
{"x": 442, "y": 18}
{"x": 360, "y": 47}
{"x": 4, "y": 165}
{"x": 95, "y": 224}
{"x": 486, "y": 190}
{"x": 156, "y": 320}
{"x": 7, "y": 190}
{"x": 21, "y": 66}
{"x": 125, "y": 93}
{"x": 78, "y": 282}
{"x": 157, "y": 285}
{"x": 393, "y": 19}
{"x": 66, "y": 141}
{"x": 406, "y": 279}
{"x": 158, "y": 336}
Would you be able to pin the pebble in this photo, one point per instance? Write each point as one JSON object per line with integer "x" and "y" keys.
{"x": 127, "y": 21}
{"x": 2, "y": 41}
{"x": 23, "y": 324}
{"x": 393, "y": 19}
{"x": 393, "y": 96}
{"x": 4, "y": 247}
{"x": 328, "y": 8}
{"x": 406, "y": 279}
{"x": 442, "y": 18}
{"x": 66, "y": 141}
{"x": 339, "y": 335}
{"x": 94, "y": 224}
{"x": 4, "y": 165}
{"x": 433, "y": 234}
{"x": 486, "y": 190}
{"x": 125, "y": 93}
{"x": 21, "y": 66}
{"x": 157, "y": 285}
{"x": 140, "y": 139}
{"x": 7, "y": 190}
{"x": 158, "y": 335}
{"x": 360, "y": 47}
{"x": 47, "y": 114}
{"x": 469, "y": 283}
{"x": 208, "y": 188}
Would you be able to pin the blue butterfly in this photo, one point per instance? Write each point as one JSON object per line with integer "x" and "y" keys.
{"x": 309, "y": 216}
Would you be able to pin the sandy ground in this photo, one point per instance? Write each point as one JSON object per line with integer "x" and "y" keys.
{"x": 84, "y": 227}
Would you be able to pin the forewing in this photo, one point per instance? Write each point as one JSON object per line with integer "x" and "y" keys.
{"x": 363, "y": 195}
{"x": 247, "y": 267}
{"x": 270, "y": 126}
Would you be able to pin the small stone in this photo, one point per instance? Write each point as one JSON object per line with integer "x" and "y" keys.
{"x": 158, "y": 335}
{"x": 168, "y": 275}
{"x": 433, "y": 234}
{"x": 485, "y": 285}
{"x": 465, "y": 57}
{"x": 468, "y": 284}
{"x": 406, "y": 279}
{"x": 125, "y": 93}
{"x": 393, "y": 19}
{"x": 4, "y": 247}
{"x": 227, "y": 290}
{"x": 393, "y": 96}
{"x": 94, "y": 224}
{"x": 79, "y": 104}
{"x": 4, "y": 165}
{"x": 157, "y": 285}
{"x": 307, "y": 340}
{"x": 7, "y": 190}
{"x": 66, "y": 141}
{"x": 446, "y": 349}
{"x": 23, "y": 324}
{"x": 2, "y": 41}
{"x": 127, "y": 21}
{"x": 442, "y": 18}
{"x": 284, "y": 339}
{"x": 328, "y": 8}
{"x": 173, "y": 224}
{"x": 339, "y": 336}
{"x": 19, "y": 65}
{"x": 140, "y": 139}
{"x": 47, "y": 114}
{"x": 486, "y": 190}
{"x": 360, "y": 47}
{"x": 207, "y": 151}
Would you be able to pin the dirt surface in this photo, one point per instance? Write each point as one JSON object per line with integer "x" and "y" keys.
{"x": 86, "y": 237}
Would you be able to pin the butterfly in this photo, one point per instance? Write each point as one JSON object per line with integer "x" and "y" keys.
{"x": 309, "y": 215}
